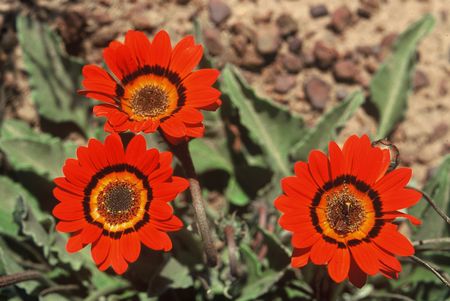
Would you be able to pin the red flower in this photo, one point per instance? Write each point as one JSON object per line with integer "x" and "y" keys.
{"x": 115, "y": 199}
{"x": 152, "y": 86}
{"x": 340, "y": 209}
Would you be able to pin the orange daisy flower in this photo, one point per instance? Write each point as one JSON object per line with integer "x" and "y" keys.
{"x": 152, "y": 86}
{"x": 340, "y": 209}
{"x": 116, "y": 198}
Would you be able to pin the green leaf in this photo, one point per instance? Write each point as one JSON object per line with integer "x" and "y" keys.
{"x": 391, "y": 84}
{"x": 28, "y": 150}
{"x": 438, "y": 188}
{"x": 258, "y": 282}
{"x": 54, "y": 76}
{"x": 10, "y": 192}
{"x": 327, "y": 127}
{"x": 274, "y": 129}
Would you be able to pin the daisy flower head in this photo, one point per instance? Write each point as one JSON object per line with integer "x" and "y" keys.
{"x": 152, "y": 86}
{"x": 116, "y": 198}
{"x": 340, "y": 209}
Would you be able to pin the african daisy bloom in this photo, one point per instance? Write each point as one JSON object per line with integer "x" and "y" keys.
{"x": 341, "y": 209}
{"x": 115, "y": 198}
{"x": 152, "y": 86}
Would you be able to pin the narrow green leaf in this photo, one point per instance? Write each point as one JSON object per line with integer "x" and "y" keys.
{"x": 270, "y": 126}
{"x": 54, "y": 76}
{"x": 327, "y": 127}
{"x": 391, "y": 84}
{"x": 438, "y": 188}
{"x": 29, "y": 150}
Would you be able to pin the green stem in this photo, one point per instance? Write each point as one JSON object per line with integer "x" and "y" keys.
{"x": 183, "y": 154}
{"x": 433, "y": 204}
{"x": 434, "y": 270}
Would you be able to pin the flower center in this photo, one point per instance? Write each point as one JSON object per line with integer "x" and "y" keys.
{"x": 118, "y": 202}
{"x": 345, "y": 213}
{"x": 150, "y": 101}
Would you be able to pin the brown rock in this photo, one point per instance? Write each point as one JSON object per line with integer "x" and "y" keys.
{"x": 251, "y": 60}
{"x": 341, "y": 18}
{"x": 368, "y": 8}
{"x": 243, "y": 30}
{"x": 219, "y": 11}
{"x": 308, "y": 59}
{"x": 262, "y": 16}
{"x": 318, "y": 11}
{"x": 325, "y": 56}
{"x": 146, "y": 20}
{"x": 439, "y": 132}
{"x": 287, "y": 25}
{"x": 284, "y": 83}
{"x": 420, "y": 80}
{"x": 268, "y": 40}
{"x": 71, "y": 26}
{"x": 389, "y": 40}
{"x": 294, "y": 44}
{"x": 292, "y": 63}
{"x": 317, "y": 92}
{"x": 341, "y": 94}
{"x": 239, "y": 44}
{"x": 211, "y": 38}
{"x": 103, "y": 36}
{"x": 345, "y": 71}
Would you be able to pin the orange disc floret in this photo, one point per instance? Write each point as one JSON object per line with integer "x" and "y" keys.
{"x": 340, "y": 209}
{"x": 115, "y": 199}
{"x": 152, "y": 86}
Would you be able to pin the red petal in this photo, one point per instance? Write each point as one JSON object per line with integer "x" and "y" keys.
{"x": 114, "y": 149}
{"x": 201, "y": 98}
{"x": 70, "y": 226}
{"x": 97, "y": 154}
{"x": 195, "y": 130}
{"x": 90, "y": 233}
{"x": 339, "y": 265}
{"x": 117, "y": 259}
{"x": 110, "y": 57}
{"x": 170, "y": 225}
{"x": 100, "y": 249}
{"x": 355, "y": 275}
{"x": 399, "y": 199}
{"x": 291, "y": 204}
{"x": 155, "y": 239}
{"x": 336, "y": 160}
{"x": 149, "y": 161}
{"x": 394, "y": 214}
{"x": 130, "y": 245}
{"x": 300, "y": 257}
{"x": 189, "y": 115}
{"x": 74, "y": 243}
{"x": 201, "y": 78}
{"x": 387, "y": 259}
{"x": 69, "y": 187}
{"x": 307, "y": 185}
{"x": 173, "y": 127}
{"x": 351, "y": 147}
{"x": 139, "y": 45}
{"x": 184, "y": 60}
{"x": 322, "y": 251}
{"x": 160, "y": 50}
{"x": 294, "y": 221}
{"x": 391, "y": 240}
{"x": 363, "y": 254}
{"x": 135, "y": 149}
{"x": 160, "y": 210}
{"x": 168, "y": 191}
{"x": 293, "y": 187}
{"x": 394, "y": 180}
{"x": 307, "y": 237}
{"x": 68, "y": 211}
{"x": 318, "y": 166}
{"x": 84, "y": 159}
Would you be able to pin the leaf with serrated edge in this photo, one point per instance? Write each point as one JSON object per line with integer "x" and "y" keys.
{"x": 391, "y": 84}
{"x": 10, "y": 191}
{"x": 29, "y": 150}
{"x": 54, "y": 76}
{"x": 270, "y": 126}
{"x": 327, "y": 126}
{"x": 438, "y": 188}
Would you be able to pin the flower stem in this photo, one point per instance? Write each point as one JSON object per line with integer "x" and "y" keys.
{"x": 7, "y": 280}
{"x": 433, "y": 205}
{"x": 443, "y": 277}
{"x": 183, "y": 154}
{"x": 431, "y": 241}
{"x": 232, "y": 251}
